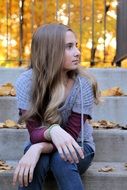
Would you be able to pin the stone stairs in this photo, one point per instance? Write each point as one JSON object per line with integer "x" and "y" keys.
{"x": 111, "y": 144}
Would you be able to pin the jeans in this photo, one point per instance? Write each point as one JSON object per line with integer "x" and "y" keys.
{"x": 67, "y": 175}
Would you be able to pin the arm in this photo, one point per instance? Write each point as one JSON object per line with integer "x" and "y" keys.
{"x": 25, "y": 168}
{"x": 64, "y": 142}
{"x": 73, "y": 127}
{"x": 60, "y": 137}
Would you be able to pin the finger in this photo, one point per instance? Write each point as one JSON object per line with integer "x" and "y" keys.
{"x": 68, "y": 154}
{"x": 15, "y": 176}
{"x": 21, "y": 176}
{"x": 73, "y": 153}
{"x": 78, "y": 149}
{"x": 61, "y": 153}
{"x": 31, "y": 171}
{"x": 25, "y": 176}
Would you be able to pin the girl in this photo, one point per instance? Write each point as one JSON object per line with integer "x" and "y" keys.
{"x": 55, "y": 98}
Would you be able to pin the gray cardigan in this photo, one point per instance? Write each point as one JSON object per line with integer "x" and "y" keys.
{"x": 80, "y": 100}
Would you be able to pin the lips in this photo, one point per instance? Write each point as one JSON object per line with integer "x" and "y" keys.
{"x": 75, "y": 61}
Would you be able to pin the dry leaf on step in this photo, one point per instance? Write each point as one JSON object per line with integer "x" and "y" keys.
{"x": 1, "y": 125}
{"x": 4, "y": 166}
{"x": 7, "y": 89}
{"x": 106, "y": 169}
{"x": 114, "y": 91}
{"x": 10, "y": 123}
{"x": 104, "y": 124}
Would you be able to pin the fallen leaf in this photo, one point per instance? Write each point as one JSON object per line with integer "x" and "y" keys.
{"x": 7, "y": 89}
{"x": 13, "y": 92}
{"x": 106, "y": 169}
{"x": 4, "y": 166}
{"x": 10, "y": 123}
{"x": 1, "y": 125}
{"x": 105, "y": 124}
{"x": 114, "y": 91}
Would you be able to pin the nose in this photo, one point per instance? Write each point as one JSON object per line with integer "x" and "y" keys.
{"x": 77, "y": 52}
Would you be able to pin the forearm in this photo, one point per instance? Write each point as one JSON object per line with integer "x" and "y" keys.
{"x": 43, "y": 147}
{"x": 72, "y": 127}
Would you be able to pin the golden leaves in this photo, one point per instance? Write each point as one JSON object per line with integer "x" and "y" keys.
{"x": 7, "y": 90}
{"x": 105, "y": 124}
{"x": 114, "y": 91}
{"x": 106, "y": 169}
{"x": 12, "y": 124}
{"x": 4, "y": 166}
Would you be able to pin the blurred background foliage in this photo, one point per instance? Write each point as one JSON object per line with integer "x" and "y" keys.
{"x": 96, "y": 30}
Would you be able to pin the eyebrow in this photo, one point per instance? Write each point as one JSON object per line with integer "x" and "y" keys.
{"x": 71, "y": 43}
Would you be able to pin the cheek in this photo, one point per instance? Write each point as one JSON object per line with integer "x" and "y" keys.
{"x": 67, "y": 61}
{"x": 68, "y": 56}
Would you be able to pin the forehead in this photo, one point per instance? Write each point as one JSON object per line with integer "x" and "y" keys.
{"x": 70, "y": 37}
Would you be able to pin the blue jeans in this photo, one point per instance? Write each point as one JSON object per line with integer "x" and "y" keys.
{"x": 67, "y": 175}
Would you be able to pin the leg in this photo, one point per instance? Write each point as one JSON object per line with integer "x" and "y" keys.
{"x": 40, "y": 172}
{"x": 85, "y": 163}
{"x": 66, "y": 174}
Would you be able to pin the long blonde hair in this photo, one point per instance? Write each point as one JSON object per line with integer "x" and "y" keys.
{"x": 47, "y": 59}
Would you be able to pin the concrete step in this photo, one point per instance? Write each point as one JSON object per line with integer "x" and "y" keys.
{"x": 112, "y": 109}
{"x": 10, "y": 74}
{"x": 110, "y": 77}
{"x": 106, "y": 77}
{"x": 115, "y": 180}
{"x": 8, "y": 108}
{"x": 93, "y": 179}
{"x": 110, "y": 144}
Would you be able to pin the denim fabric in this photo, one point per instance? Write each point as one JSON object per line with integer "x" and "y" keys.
{"x": 67, "y": 175}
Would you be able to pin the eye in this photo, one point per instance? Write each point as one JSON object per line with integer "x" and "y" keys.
{"x": 77, "y": 45}
{"x": 69, "y": 46}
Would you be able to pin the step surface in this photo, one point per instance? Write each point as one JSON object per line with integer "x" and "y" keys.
{"x": 12, "y": 143}
{"x": 93, "y": 179}
{"x": 112, "y": 109}
{"x": 110, "y": 77}
{"x": 110, "y": 144}
{"x": 8, "y": 108}
{"x": 117, "y": 76}
{"x": 10, "y": 75}
{"x": 115, "y": 180}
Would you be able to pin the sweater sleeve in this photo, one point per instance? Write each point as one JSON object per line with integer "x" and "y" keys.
{"x": 35, "y": 130}
{"x": 23, "y": 88}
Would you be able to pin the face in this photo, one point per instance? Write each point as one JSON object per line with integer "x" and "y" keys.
{"x": 72, "y": 53}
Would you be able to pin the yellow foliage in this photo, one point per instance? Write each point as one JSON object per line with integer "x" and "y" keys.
{"x": 36, "y": 13}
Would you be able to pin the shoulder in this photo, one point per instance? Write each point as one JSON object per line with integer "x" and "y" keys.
{"x": 84, "y": 83}
{"x": 23, "y": 87}
{"x": 84, "y": 96}
{"x": 85, "y": 89}
{"x": 24, "y": 80}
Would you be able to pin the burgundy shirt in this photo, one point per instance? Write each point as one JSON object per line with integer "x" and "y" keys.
{"x": 73, "y": 127}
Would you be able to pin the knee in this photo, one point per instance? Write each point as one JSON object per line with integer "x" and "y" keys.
{"x": 42, "y": 166}
{"x": 61, "y": 167}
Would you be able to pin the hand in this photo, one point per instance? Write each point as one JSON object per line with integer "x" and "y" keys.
{"x": 25, "y": 168}
{"x": 67, "y": 147}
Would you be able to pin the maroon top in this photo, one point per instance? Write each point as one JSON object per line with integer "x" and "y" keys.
{"x": 73, "y": 127}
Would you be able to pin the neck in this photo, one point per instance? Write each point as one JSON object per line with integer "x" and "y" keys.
{"x": 65, "y": 78}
